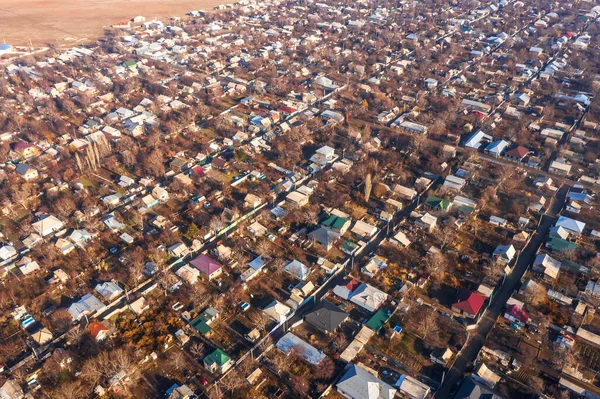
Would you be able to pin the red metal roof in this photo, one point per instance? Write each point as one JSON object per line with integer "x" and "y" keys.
{"x": 287, "y": 110}
{"x": 352, "y": 285}
{"x": 517, "y": 313}
{"x": 468, "y": 301}
{"x": 198, "y": 171}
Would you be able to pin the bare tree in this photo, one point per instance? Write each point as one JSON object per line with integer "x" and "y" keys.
{"x": 69, "y": 390}
{"x": 197, "y": 349}
{"x": 436, "y": 265}
{"x": 535, "y": 293}
{"x": 368, "y": 187}
{"x": 504, "y": 173}
{"x": 177, "y": 359}
{"x": 427, "y": 324}
{"x": 232, "y": 381}
{"x": 264, "y": 248}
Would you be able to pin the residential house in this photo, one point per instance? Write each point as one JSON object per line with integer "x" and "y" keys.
{"x": 441, "y": 356}
{"x": 361, "y": 294}
{"x": 178, "y": 250}
{"x": 7, "y": 252}
{"x": 517, "y": 154}
{"x": 437, "y": 204}
{"x": 412, "y": 388}
{"x": 26, "y": 172}
{"x": 98, "y": 331}
{"x": 277, "y": 311}
{"x": 11, "y": 390}
{"x": 297, "y": 199}
{"x": 108, "y": 290}
{"x": 401, "y": 239}
{"x": 297, "y": 269}
{"x": 573, "y": 226}
{"x": 41, "y": 337}
{"x": 203, "y": 321}
{"x": 363, "y": 229}
{"x": 474, "y": 389}
{"x": 26, "y": 150}
{"x": 404, "y": 192}
{"x": 560, "y": 245}
{"x": 160, "y": 194}
{"x": 454, "y": 183}
{"x": 324, "y": 156}
{"x": 86, "y": 305}
{"x": 496, "y": 148}
{"x": 326, "y": 317}
{"x": 217, "y": 362}
{"x": 504, "y": 253}
{"x": 547, "y": 266}
{"x": 560, "y": 167}
{"x": 514, "y": 313}
{"x": 373, "y": 266}
{"x": 252, "y": 201}
{"x": 188, "y": 274}
{"x": 290, "y": 342}
{"x": 207, "y": 266}
{"x": 47, "y": 225}
{"x": 324, "y": 237}
{"x": 337, "y": 223}
{"x": 476, "y": 139}
{"x": 139, "y": 306}
{"x": 358, "y": 383}
{"x": 426, "y": 221}
{"x": 468, "y": 303}
{"x": 181, "y": 392}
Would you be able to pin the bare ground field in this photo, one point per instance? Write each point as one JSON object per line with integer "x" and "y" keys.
{"x": 65, "y": 22}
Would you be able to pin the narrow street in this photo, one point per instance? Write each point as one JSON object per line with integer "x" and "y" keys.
{"x": 477, "y": 337}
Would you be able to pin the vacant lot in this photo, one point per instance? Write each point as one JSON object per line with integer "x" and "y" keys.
{"x": 69, "y": 21}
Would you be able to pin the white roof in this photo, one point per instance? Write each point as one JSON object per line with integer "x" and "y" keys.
{"x": 296, "y": 196}
{"x": 412, "y": 387}
{"x": 108, "y": 289}
{"x": 87, "y": 304}
{"x": 363, "y": 229}
{"x": 48, "y": 225}
{"x": 572, "y": 225}
{"x": 358, "y": 383}
{"x": 551, "y": 265}
{"x": 326, "y": 150}
{"x": 297, "y": 269}
{"x": 277, "y": 311}
{"x": 365, "y": 296}
{"x": 291, "y": 342}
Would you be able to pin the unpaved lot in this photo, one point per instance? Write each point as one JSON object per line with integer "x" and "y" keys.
{"x": 65, "y": 22}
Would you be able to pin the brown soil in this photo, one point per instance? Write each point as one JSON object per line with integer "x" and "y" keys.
{"x": 65, "y": 22}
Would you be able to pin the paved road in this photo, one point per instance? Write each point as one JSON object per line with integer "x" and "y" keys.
{"x": 478, "y": 336}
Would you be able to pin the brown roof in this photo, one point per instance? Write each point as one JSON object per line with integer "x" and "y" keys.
{"x": 517, "y": 152}
{"x": 96, "y": 327}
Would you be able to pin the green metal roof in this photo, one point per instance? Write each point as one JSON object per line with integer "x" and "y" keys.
{"x": 349, "y": 247}
{"x": 378, "y": 320}
{"x": 437, "y": 202}
{"x": 335, "y": 222}
{"x": 199, "y": 323}
{"x": 558, "y": 244}
{"x": 218, "y": 356}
